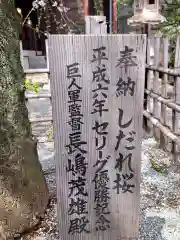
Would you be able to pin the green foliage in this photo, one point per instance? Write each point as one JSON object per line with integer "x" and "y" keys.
{"x": 120, "y": 3}
{"x": 171, "y": 28}
{"x": 98, "y": 5}
{"x": 31, "y": 86}
{"x": 155, "y": 167}
{"x": 171, "y": 11}
{"x": 50, "y": 134}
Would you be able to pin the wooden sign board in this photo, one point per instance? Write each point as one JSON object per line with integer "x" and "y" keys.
{"x": 97, "y": 85}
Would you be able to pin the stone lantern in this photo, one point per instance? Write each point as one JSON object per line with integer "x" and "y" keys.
{"x": 146, "y": 12}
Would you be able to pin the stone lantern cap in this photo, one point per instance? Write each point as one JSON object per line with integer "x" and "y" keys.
{"x": 144, "y": 12}
{"x": 146, "y": 16}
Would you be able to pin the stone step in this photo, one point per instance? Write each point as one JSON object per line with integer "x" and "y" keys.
{"x": 31, "y": 53}
{"x": 38, "y": 77}
{"x": 37, "y": 62}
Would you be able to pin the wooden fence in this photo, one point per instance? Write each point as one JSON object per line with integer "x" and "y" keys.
{"x": 162, "y": 93}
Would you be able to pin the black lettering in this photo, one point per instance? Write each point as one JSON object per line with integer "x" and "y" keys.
{"x": 126, "y": 59}
{"x": 101, "y": 55}
{"x": 102, "y": 208}
{"x": 101, "y": 195}
{"x": 98, "y": 89}
{"x": 103, "y": 94}
{"x": 78, "y": 225}
{"x": 100, "y": 75}
{"x": 70, "y": 167}
{"x": 102, "y": 164}
{"x": 100, "y": 154}
{"x": 99, "y": 104}
{"x": 101, "y": 179}
{"x": 126, "y": 125}
{"x": 73, "y": 70}
{"x": 121, "y": 160}
{"x": 74, "y": 96}
{"x": 78, "y": 185}
{"x": 125, "y": 186}
{"x": 73, "y": 83}
{"x": 119, "y": 137}
{"x": 75, "y": 143}
{"x": 130, "y": 140}
{"x": 77, "y": 206}
{"x": 75, "y": 123}
{"x": 103, "y": 143}
{"x": 75, "y": 110}
{"x": 99, "y": 128}
{"x": 102, "y": 224}
{"x": 124, "y": 87}
{"x": 80, "y": 164}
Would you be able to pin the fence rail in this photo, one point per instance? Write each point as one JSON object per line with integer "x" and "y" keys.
{"x": 169, "y": 103}
{"x": 168, "y": 71}
{"x": 161, "y": 110}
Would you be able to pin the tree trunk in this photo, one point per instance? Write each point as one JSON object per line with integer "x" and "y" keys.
{"x": 23, "y": 190}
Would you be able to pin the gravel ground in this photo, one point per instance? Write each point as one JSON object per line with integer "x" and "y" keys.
{"x": 160, "y": 196}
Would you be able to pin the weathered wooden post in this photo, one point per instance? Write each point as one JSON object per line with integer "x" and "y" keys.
{"x": 175, "y": 114}
{"x": 97, "y": 85}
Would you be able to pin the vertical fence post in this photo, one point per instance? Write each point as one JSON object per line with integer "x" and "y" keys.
{"x": 156, "y": 83}
{"x": 148, "y": 85}
{"x": 176, "y": 115}
{"x": 149, "y": 74}
{"x": 164, "y": 91}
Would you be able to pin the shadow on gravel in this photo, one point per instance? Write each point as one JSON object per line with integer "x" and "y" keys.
{"x": 151, "y": 228}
